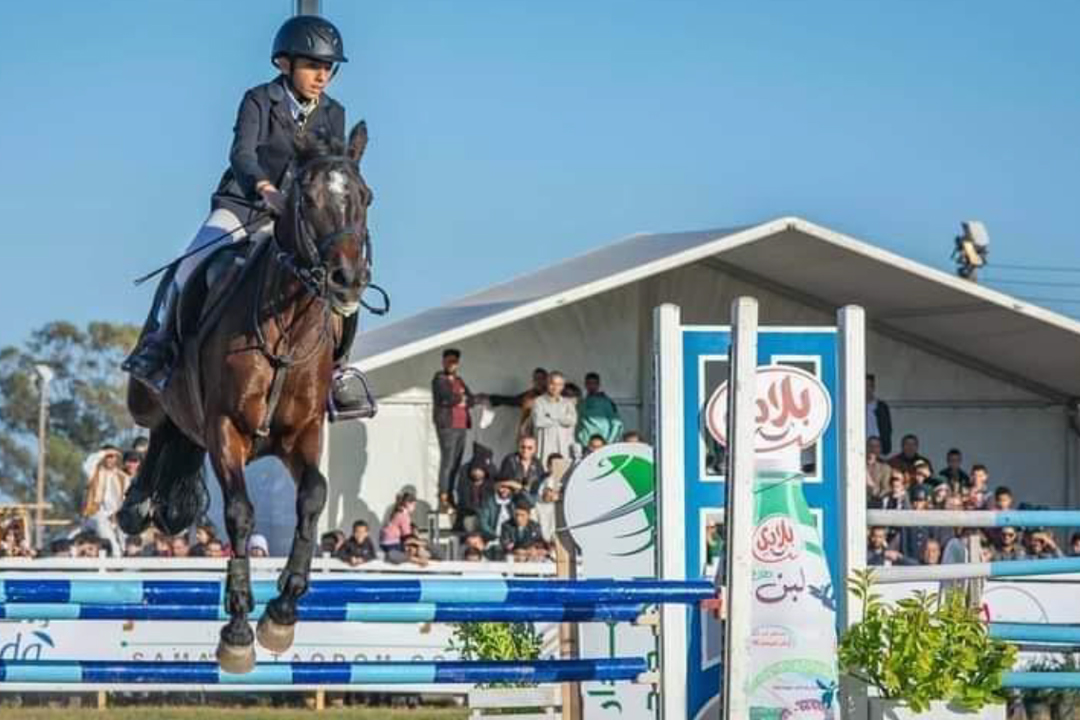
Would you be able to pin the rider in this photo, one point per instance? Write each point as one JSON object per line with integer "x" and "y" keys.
{"x": 307, "y": 50}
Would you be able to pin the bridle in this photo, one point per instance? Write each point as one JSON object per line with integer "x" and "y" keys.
{"x": 308, "y": 262}
{"x": 309, "y": 265}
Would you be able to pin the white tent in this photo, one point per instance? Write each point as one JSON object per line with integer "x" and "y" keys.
{"x": 961, "y": 365}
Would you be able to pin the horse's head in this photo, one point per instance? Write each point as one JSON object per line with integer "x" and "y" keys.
{"x": 325, "y": 223}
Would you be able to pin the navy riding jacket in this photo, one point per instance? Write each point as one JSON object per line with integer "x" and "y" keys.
{"x": 262, "y": 147}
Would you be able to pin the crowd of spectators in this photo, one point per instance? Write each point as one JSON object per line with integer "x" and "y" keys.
{"x": 497, "y": 510}
{"x": 507, "y": 509}
{"x": 907, "y": 481}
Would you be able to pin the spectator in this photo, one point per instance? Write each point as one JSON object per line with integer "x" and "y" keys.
{"x": 877, "y": 470}
{"x": 15, "y": 542}
{"x": 546, "y": 511}
{"x": 133, "y": 546}
{"x": 631, "y": 436}
{"x": 203, "y": 535}
{"x": 878, "y": 417}
{"x": 476, "y": 487}
{"x": 140, "y": 445}
{"x": 331, "y": 542}
{"x": 944, "y": 534}
{"x": 930, "y": 553}
{"x": 595, "y": 443}
{"x": 1074, "y": 545}
{"x": 540, "y": 551}
{"x": 956, "y": 549}
{"x": 178, "y": 546}
{"x": 923, "y": 474}
{"x": 400, "y": 524}
{"x": 979, "y": 490}
{"x": 451, "y": 400}
{"x": 214, "y": 549}
{"x": 1041, "y": 546}
{"x": 953, "y": 474}
{"x": 524, "y": 466}
{"x": 471, "y": 554}
{"x": 258, "y": 546}
{"x": 160, "y": 547}
{"x": 912, "y": 539}
{"x": 1003, "y": 498}
{"x": 497, "y": 509}
{"x": 61, "y": 547}
{"x": 714, "y": 543}
{"x": 909, "y": 453}
{"x": 878, "y": 551}
{"x": 416, "y": 551}
{"x": 938, "y": 496}
{"x": 104, "y": 496}
{"x": 554, "y": 418}
{"x": 597, "y": 415}
{"x": 1007, "y": 545}
{"x": 357, "y": 549}
{"x": 522, "y": 531}
{"x": 474, "y": 542}
{"x": 88, "y": 545}
{"x": 897, "y": 497}
{"x": 132, "y": 462}
{"x": 524, "y": 400}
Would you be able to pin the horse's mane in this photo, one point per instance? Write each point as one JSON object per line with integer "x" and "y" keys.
{"x": 311, "y": 146}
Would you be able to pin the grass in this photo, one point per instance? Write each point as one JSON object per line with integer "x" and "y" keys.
{"x": 224, "y": 713}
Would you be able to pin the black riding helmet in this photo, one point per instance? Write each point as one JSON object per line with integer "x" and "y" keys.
{"x": 309, "y": 36}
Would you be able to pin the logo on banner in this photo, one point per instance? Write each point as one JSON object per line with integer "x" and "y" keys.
{"x": 775, "y": 540}
{"x": 610, "y": 500}
{"x": 793, "y": 408}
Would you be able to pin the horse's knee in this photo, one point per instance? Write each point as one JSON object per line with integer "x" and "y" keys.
{"x": 240, "y": 515}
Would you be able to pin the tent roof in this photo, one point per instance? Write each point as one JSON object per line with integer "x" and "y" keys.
{"x": 982, "y": 328}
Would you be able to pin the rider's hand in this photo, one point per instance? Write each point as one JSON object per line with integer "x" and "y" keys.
{"x": 273, "y": 197}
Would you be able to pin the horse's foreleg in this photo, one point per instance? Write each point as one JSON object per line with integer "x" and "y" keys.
{"x": 135, "y": 513}
{"x": 275, "y": 630}
{"x": 229, "y": 453}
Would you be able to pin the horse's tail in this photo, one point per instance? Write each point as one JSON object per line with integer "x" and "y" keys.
{"x": 180, "y": 496}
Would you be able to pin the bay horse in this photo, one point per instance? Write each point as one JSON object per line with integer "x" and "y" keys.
{"x": 254, "y": 381}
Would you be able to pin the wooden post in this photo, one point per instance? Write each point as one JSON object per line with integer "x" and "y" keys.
{"x": 739, "y": 510}
{"x": 102, "y": 700}
{"x": 566, "y": 569}
{"x": 851, "y": 503}
{"x": 320, "y": 700}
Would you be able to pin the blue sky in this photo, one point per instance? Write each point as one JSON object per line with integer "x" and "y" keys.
{"x": 507, "y": 135}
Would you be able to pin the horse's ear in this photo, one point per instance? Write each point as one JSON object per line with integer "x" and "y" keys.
{"x": 358, "y": 141}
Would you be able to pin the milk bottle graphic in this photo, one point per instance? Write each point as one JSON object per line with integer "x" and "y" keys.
{"x": 792, "y": 649}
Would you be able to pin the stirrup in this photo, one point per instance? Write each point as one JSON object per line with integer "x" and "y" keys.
{"x": 351, "y": 397}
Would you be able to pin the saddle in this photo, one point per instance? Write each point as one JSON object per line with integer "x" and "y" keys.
{"x": 211, "y": 286}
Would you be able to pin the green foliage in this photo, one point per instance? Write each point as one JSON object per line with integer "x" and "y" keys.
{"x": 86, "y": 407}
{"x": 923, "y": 649}
{"x": 496, "y": 641}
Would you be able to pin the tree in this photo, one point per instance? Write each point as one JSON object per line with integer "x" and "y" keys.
{"x": 87, "y": 407}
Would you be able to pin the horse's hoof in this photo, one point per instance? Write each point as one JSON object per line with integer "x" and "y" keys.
{"x": 275, "y": 638}
{"x": 236, "y": 659}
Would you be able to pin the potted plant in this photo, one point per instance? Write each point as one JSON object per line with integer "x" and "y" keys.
{"x": 926, "y": 656}
{"x": 502, "y": 641}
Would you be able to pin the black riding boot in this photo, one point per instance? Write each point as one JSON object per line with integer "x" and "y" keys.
{"x": 350, "y": 392}
{"x": 151, "y": 363}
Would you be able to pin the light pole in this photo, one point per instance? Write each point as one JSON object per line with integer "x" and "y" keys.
{"x": 45, "y": 375}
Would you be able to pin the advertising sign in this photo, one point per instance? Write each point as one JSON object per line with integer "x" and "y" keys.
{"x": 610, "y": 508}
